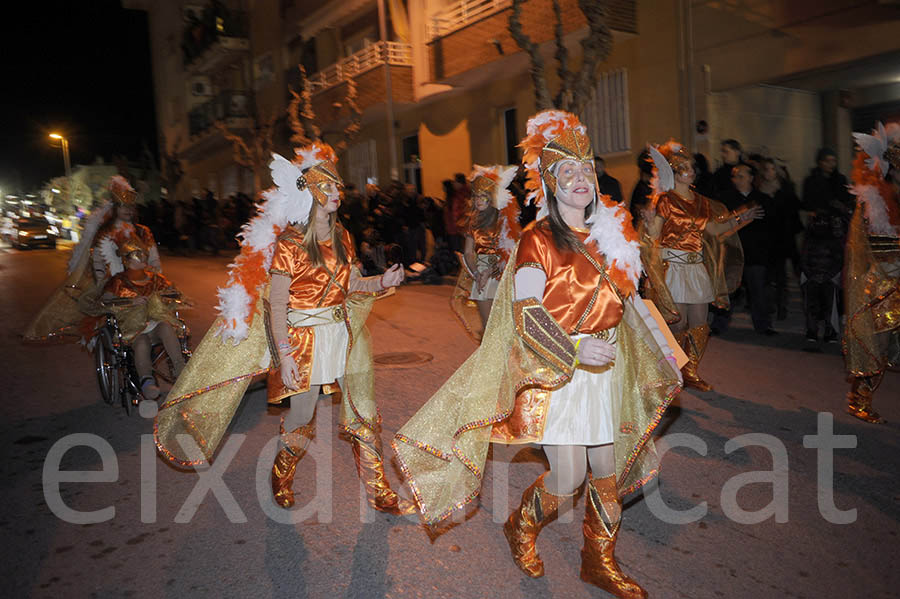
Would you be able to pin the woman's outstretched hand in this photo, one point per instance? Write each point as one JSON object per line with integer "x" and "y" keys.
{"x": 392, "y": 276}
{"x": 595, "y": 352}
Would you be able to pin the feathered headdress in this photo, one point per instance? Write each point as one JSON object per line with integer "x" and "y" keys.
{"x": 494, "y": 181}
{"x": 552, "y": 135}
{"x": 880, "y": 151}
{"x": 288, "y": 202}
{"x": 121, "y": 190}
{"x": 668, "y": 159}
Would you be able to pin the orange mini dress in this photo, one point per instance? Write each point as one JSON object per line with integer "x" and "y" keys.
{"x": 487, "y": 250}
{"x": 681, "y": 243}
{"x": 580, "y": 296}
{"x": 318, "y": 326}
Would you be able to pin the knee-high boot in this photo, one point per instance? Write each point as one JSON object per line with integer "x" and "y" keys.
{"x": 602, "y": 519}
{"x": 859, "y": 399}
{"x": 370, "y": 468}
{"x": 538, "y": 508}
{"x": 293, "y": 448}
{"x": 693, "y": 342}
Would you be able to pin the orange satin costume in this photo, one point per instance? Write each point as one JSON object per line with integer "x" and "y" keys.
{"x": 134, "y": 319}
{"x": 487, "y": 241}
{"x": 683, "y": 221}
{"x": 579, "y": 295}
{"x": 311, "y": 287}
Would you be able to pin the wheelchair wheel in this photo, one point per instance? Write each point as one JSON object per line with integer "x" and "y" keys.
{"x": 107, "y": 363}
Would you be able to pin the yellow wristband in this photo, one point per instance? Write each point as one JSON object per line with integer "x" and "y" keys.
{"x": 577, "y": 343}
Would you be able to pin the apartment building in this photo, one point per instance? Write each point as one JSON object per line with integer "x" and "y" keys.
{"x": 458, "y": 92}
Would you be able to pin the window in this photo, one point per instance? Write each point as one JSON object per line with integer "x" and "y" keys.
{"x": 510, "y": 137}
{"x": 412, "y": 162}
{"x": 606, "y": 115}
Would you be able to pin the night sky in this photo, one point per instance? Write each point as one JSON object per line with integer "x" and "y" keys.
{"x": 78, "y": 67}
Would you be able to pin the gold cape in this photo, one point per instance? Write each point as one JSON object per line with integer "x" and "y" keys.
{"x": 871, "y": 340}
{"x": 209, "y": 390}
{"x": 62, "y": 315}
{"x": 443, "y": 448}
{"x": 723, "y": 258}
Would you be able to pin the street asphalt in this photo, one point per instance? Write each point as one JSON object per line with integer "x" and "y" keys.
{"x": 774, "y": 398}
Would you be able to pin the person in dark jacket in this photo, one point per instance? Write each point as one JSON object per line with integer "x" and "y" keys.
{"x": 606, "y": 183}
{"x": 642, "y": 192}
{"x": 757, "y": 239}
{"x": 731, "y": 157}
{"x": 785, "y": 207}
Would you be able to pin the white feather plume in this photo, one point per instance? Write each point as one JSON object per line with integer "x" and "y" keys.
{"x": 875, "y": 146}
{"x": 663, "y": 177}
{"x": 109, "y": 251}
{"x": 234, "y": 307}
{"x": 606, "y": 225}
{"x": 89, "y": 231}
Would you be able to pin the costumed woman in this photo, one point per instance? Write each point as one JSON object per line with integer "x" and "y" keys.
{"x": 691, "y": 256}
{"x": 140, "y": 297}
{"x": 94, "y": 260}
{"x": 294, "y": 306}
{"x": 493, "y": 231}
{"x": 571, "y": 359}
{"x": 871, "y": 340}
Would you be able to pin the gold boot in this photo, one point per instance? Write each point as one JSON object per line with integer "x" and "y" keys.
{"x": 693, "y": 342}
{"x": 294, "y": 447}
{"x": 859, "y": 399}
{"x": 370, "y": 468}
{"x": 538, "y": 508}
{"x": 602, "y": 519}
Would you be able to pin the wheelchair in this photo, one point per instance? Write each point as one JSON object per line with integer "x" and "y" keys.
{"x": 114, "y": 359}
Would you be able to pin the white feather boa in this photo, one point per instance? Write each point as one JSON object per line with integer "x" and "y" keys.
{"x": 607, "y": 224}
{"x": 89, "y": 231}
{"x": 284, "y": 204}
{"x": 874, "y": 210}
{"x": 110, "y": 253}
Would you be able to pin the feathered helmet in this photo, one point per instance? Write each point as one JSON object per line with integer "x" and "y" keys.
{"x": 882, "y": 147}
{"x": 492, "y": 182}
{"x": 297, "y": 183}
{"x": 552, "y": 136}
{"x": 669, "y": 159}
{"x": 121, "y": 190}
{"x": 130, "y": 246}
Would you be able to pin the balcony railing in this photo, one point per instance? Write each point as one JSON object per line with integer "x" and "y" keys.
{"x": 226, "y": 105}
{"x": 462, "y": 13}
{"x": 213, "y": 26}
{"x": 392, "y": 53}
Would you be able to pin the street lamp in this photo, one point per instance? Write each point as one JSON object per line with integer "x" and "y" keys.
{"x": 65, "y": 150}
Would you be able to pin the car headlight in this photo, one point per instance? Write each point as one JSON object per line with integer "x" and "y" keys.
{"x": 23, "y": 233}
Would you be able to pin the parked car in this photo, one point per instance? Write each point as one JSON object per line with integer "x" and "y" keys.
{"x": 34, "y": 232}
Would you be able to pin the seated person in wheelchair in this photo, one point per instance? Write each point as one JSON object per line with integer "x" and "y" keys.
{"x": 146, "y": 319}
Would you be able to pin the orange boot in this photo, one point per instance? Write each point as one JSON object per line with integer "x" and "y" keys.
{"x": 294, "y": 447}
{"x": 538, "y": 508}
{"x": 370, "y": 468}
{"x": 693, "y": 342}
{"x": 859, "y": 399}
{"x": 602, "y": 519}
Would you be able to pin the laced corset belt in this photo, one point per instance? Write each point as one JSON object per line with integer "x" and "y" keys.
{"x": 681, "y": 256}
{"x": 315, "y": 316}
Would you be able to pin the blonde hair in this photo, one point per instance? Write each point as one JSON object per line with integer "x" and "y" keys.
{"x": 311, "y": 240}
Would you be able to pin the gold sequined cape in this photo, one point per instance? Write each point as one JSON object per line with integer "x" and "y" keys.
{"x": 443, "y": 448}
{"x": 871, "y": 340}
{"x": 464, "y": 308}
{"x": 210, "y": 388}
{"x": 723, "y": 258}
{"x": 60, "y": 318}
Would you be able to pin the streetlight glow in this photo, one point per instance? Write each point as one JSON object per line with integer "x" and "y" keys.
{"x": 54, "y": 190}
{"x": 55, "y": 136}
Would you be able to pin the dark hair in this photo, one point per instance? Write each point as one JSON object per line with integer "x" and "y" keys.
{"x": 600, "y": 160}
{"x": 701, "y": 162}
{"x": 732, "y": 143}
{"x": 644, "y": 162}
{"x": 460, "y": 178}
{"x": 741, "y": 165}
{"x": 563, "y": 237}
{"x": 448, "y": 187}
{"x": 824, "y": 153}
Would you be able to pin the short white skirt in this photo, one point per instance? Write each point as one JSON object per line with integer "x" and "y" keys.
{"x": 329, "y": 360}
{"x": 583, "y": 411}
{"x": 484, "y": 262}
{"x": 687, "y": 278}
